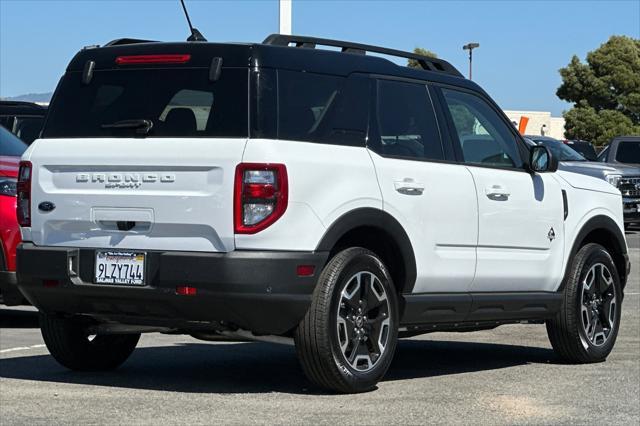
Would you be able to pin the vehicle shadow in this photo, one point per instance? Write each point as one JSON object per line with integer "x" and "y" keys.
{"x": 10, "y": 318}
{"x": 263, "y": 367}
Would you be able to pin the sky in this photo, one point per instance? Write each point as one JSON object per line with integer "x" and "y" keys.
{"x": 523, "y": 44}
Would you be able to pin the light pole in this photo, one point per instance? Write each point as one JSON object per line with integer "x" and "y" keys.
{"x": 470, "y": 47}
{"x": 285, "y": 17}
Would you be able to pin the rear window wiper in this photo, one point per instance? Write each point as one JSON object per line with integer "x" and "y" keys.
{"x": 142, "y": 126}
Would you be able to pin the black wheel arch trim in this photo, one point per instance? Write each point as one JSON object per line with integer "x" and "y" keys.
{"x": 372, "y": 217}
{"x": 601, "y": 222}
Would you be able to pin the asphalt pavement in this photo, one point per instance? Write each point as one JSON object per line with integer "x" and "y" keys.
{"x": 503, "y": 376}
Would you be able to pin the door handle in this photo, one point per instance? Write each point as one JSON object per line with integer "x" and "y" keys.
{"x": 497, "y": 193}
{"x": 408, "y": 186}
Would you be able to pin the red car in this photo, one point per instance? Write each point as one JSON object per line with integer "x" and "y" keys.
{"x": 11, "y": 148}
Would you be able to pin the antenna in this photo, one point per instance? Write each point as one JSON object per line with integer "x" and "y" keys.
{"x": 195, "y": 34}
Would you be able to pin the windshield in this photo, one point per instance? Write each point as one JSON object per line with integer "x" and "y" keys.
{"x": 560, "y": 150}
{"x": 629, "y": 152}
{"x": 150, "y": 102}
{"x": 10, "y": 145}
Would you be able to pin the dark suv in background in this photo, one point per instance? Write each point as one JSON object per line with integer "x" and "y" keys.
{"x": 626, "y": 177}
{"x": 23, "y": 119}
{"x": 623, "y": 153}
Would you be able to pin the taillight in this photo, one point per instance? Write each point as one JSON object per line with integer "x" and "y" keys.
{"x": 24, "y": 194}
{"x": 153, "y": 59}
{"x": 260, "y": 196}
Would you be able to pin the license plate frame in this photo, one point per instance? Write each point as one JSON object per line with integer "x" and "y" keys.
{"x": 120, "y": 267}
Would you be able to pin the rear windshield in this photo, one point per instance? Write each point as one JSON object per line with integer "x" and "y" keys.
{"x": 150, "y": 103}
{"x": 629, "y": 152}
{"x": 10, "y": 145}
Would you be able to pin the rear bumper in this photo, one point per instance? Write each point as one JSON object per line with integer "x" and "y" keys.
{"x": 258, "y": 291}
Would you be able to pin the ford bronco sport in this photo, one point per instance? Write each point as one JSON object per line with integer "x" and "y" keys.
{"x": 331, "y": 199}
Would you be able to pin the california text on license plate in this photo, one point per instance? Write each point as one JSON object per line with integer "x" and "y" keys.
{"x": 119, "y": 268}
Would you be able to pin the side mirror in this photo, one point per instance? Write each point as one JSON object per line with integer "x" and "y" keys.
{"x": 541, "y": 160}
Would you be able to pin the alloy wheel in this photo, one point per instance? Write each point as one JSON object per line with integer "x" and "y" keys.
{"x": 363, "y": 321}
{"x": 598, "y": 304}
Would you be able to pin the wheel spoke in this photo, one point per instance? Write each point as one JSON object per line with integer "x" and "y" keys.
{"x": 605, "y": 280}
{"x": 593, "y": 326}
{"x": 609, "y": 306}
{"x": 355, "y": 343}
{"x": 351, "y": 292}
{"x": 375, "y": 295}
{"x": 589, "y": 283}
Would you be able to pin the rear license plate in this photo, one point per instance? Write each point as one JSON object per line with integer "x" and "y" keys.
{"x": 119, "y": 268}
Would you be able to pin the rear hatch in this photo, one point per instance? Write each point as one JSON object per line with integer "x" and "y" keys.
{"x": 139, "y": 151}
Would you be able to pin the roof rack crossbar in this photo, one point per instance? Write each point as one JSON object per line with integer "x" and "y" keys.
{"x": 426, "y": 62}
{"x": 121, "y": 41}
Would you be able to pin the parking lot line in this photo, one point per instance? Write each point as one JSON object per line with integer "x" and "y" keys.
{"x": 21, "y": 348}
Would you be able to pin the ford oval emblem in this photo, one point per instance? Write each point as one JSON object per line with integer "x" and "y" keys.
{"x": 46, "y": 206}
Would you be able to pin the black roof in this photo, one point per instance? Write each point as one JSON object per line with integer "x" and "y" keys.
{"x": 21, "y": 108}
{"x": 277, "y": 52}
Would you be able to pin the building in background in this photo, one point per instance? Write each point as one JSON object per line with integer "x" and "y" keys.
{"x": 540, "y": 123}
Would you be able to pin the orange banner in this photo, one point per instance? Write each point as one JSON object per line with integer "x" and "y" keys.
{"x": 522, "y": 127}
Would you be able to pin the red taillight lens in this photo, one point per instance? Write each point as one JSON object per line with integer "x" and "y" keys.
{"x": 260, "y": 196}
{"x": 305, "y": 270}
{"x": 23, "y": 210}
{"x": 184, "y": 290}
{"x": 153, "y": 59}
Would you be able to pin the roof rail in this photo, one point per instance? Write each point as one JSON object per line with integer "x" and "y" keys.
{"x": 121, "y": 41}
{"x": 426, "y": 62}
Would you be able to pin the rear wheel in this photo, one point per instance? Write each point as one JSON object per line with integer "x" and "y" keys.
{"x": 586, "y": 327}
{"x": 72, "y": 346}
{"x": 347, "y": 339}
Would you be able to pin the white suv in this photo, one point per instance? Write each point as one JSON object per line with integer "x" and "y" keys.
{"x": 281, "y": 192}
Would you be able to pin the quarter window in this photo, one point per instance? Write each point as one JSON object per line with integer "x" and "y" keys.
{"x": 406, "y": 122}
{"x": 322, "y": 108}
{"x": 484, "y": 137}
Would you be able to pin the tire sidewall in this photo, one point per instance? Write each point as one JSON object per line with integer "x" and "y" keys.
{"x": 363, "y": 262}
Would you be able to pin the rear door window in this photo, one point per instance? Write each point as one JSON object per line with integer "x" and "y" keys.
{"x": 406, "y": 122}
{"x": 179, "y": 102}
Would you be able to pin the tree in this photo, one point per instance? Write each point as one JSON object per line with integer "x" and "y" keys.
{"x": 605, "y": 91}
{"x": 412, "y": 63}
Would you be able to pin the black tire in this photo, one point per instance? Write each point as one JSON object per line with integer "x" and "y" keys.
{"x": 567, "y": 330}
{"x": 70, "y": 345}
{"x": 318, "y": 337}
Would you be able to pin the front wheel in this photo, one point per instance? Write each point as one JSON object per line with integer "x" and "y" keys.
{"x": 586, "y": 327}
{"x": 72, "y": 346}
{"x": 348, "y": 337}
